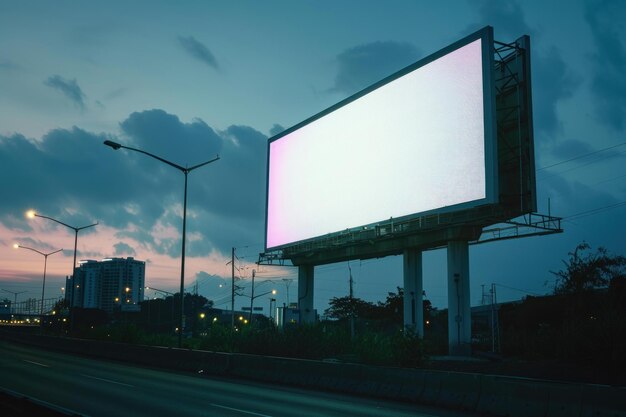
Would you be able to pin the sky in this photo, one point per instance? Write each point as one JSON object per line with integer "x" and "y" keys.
{"x": 193, "y": 79}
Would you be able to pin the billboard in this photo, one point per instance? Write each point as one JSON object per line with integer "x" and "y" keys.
{"x": 420, "y": 141}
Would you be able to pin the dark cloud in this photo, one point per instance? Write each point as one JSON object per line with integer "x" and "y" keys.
{"x": 164, "y": 134}
{"x": 506, "y": 17}
{"x": 276, "y": 129}
{"x": 123, "y": 249}
{"x": 70, "y": 175}
{"x": 605, "y": 19}
{"x": 69, "y": 88}
{"x": 198, "y": 50}
{"x": 571, "y": 149}
{"x": 552, "y": 80}
{"x": 363, "y": 65}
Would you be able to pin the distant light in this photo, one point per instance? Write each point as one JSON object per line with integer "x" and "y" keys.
{"x": 240, "y": 317}
{"x": 31, "y": 214}
{"x": 16, "y": 245}
{"x": 201, "y": 315}
{"x": 274, "y": 292}
{"x": 214, "y": 319}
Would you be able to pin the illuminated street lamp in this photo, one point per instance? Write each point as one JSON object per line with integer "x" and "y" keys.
{"x": 186, "y": 171}
{"x": 252, "y": 296}
{"x": 32, "y": 214}
{"x": 45, "y": 263}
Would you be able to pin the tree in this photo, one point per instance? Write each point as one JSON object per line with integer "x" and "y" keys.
{"x": 342, "y": 308}
{"x": 587, "y": 271}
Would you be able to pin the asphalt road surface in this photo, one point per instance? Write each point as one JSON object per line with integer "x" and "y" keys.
{"x": 100, "y": 388}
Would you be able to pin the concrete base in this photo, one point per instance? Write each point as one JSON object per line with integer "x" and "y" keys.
{"x": 459, "y": 313}
{"x": 413, "y": 289}
{"x": 305, "y": 294}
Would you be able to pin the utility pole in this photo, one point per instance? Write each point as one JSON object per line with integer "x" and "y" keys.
{"x": 495, "y": 325}
{"x": 252, "y": 297}
{"x": 287, "y": 282}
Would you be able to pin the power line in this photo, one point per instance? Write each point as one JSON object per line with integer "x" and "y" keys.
{"x": 581, "y": 156}
{"x": 594, "y": 211}
{"x": 518, "y": 289}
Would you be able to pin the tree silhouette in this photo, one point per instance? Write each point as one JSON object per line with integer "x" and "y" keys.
{"x": 587, "y": 271}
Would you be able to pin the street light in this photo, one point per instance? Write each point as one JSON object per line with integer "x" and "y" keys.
{"x": 32, "y": 214}
{"x": 15, "y": 300}
{"x": 252, "y": 296}
{"x": 45, "y": 263}
{"x": 186, "y": 171}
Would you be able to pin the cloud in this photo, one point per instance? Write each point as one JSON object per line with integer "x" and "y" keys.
{"x": 508, "y": 16}
{"x": 34, "y": 243}
{"x": 363, "y": 65}
{"x": 608, "y": 84}
{"x": 198, "y": 50}
{"x": 571, "y": 148}
{"x": 276, "y": 129}
{"x": 123, "y": 249}
{"x": 69, "y": 88}
{"x": 552, "y": 80}
{"x": 6, "y": 65}
{"x": 68, "y": 174}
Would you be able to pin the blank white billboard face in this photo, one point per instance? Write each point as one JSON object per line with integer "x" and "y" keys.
{"x": 414, "y": 145}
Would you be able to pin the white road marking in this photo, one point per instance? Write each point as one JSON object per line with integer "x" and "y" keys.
{"x": 239, "y": 410}
{"x": 107, "y": 380}
{"x": 37, "y": 363}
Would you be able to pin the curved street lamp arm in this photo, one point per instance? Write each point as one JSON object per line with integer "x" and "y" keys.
{"x": 65, "y": 224}
{"x": 203, "y": 164}
{"x": 54, "y": 220}
{"x": 34, "y": 250}
{"x": 117, "y": 146}
{"x": 155, "y": 157}
{"x": 39, "y": 252}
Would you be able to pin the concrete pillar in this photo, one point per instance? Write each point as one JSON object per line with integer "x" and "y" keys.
{"x": 413, "y": 289}
{"x": 459, "y": 313}
{"x": 305, "y": 293}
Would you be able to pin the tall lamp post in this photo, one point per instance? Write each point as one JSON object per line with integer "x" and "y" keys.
{"x": 32, "y": 214}
{"x": 185, "y": 171}
{"x": 45, "y": 264}
{"x": 252, "y": 296}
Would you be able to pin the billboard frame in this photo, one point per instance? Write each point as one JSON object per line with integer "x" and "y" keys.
{"x": 489, "y": 139}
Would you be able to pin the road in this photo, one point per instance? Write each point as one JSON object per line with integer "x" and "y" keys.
{"x": 100, "y": 388}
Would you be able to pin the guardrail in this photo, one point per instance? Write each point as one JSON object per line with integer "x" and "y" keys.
{"x": 486, "y": 394}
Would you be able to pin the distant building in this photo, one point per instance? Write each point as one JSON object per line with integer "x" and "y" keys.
{"x": 115, "y": 284}
{"x": 5, "y": 309}
{"x": 289, "y": 315}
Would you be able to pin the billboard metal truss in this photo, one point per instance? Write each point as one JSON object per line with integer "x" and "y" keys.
{"x": 514, "y": 215}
